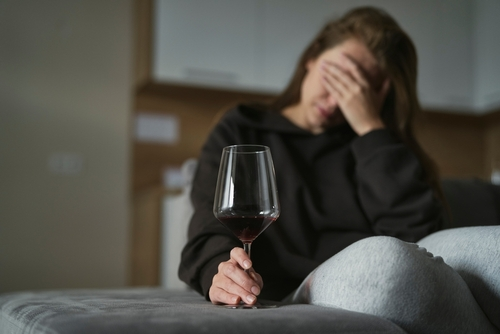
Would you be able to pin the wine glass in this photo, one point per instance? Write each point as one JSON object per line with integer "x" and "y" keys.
{"x": 246, "y": 197}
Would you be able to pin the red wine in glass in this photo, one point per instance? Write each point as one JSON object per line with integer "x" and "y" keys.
{"x": 246, "y": 228}
{"x": 246, "y": 196}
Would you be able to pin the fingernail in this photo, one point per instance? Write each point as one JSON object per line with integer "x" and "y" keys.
{"x": 255, "y": 290}
{"x": 250, "y": 298}
{"x": 234, "y": 300}
{"x": 247, "y": 264}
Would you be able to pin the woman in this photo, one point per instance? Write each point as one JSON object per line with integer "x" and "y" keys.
{"x": 348, "y": 168}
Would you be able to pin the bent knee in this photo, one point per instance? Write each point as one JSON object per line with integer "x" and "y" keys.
{"x": 393, "y": 255}
{"x": 400, "y": 281}
{"x": 382, "y": 267}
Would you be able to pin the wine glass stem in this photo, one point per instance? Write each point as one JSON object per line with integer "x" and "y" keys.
{"x": 246, "y": 247}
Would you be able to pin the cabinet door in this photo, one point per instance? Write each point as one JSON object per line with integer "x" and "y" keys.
{"x": 289, "y": 26}
{"x": 487, "y": 56}
{"x": 442, "y": 32}
{"x": 205, "y": 42}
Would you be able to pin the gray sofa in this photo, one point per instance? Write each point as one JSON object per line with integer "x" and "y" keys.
{"x": 139, "y": 310}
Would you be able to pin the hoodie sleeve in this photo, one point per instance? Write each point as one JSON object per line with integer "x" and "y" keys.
{"x": 392, "y": 190}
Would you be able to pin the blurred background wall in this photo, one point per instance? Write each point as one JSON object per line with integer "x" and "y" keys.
{"x": 65, "y": 108}
{"x": 82, "y": 196}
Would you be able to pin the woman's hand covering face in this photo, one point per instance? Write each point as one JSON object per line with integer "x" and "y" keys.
{"x": 358, "y": 97}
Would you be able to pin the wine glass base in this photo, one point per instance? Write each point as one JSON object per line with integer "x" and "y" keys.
{"x": 248, "y": 306}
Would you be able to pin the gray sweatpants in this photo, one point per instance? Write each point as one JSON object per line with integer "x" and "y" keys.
{"x": 405, "y": 283}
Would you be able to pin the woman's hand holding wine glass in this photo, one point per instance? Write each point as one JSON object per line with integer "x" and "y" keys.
{"x": 236, "y": 280}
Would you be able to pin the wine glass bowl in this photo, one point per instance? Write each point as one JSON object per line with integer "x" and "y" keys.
{"x": 246, "y": 197}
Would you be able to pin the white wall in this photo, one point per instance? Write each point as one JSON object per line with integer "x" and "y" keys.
{"x": 65, "y": 87}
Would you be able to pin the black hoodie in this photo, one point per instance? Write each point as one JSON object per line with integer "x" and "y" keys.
{"x": 335, "y": 188}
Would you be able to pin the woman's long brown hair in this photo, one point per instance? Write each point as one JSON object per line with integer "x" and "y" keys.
{"x": 397, "y": 57}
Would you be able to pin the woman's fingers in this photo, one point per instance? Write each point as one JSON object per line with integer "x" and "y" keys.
{"x": 239, "y": 277}
{"x": 225, "y": 290}
{"x": 331, "y": 86}
{"x": 358, "y": 74}
{"x": 332, "y": 82}
{"x": 338, "y": 79}
{"x": 219, "y": 296}
{"x": 355, "y": 71}
{"x": 241, "y": 257}
{"x": 347, "y": 72}
{"x": 359, "y": 102}
{"x": 256, "y": 277}
{"x": 232, "y": 283}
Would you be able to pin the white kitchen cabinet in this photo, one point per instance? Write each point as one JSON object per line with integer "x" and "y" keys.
{"x": 487, "y": 57}
{"x": 253, "y": 45}
{"x": 289, "y": 27}
{"x": 205, "y": 42}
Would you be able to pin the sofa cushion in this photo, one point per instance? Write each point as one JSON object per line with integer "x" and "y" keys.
{"x": 472, "y": 202}
{"x": 144, "y": 311}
